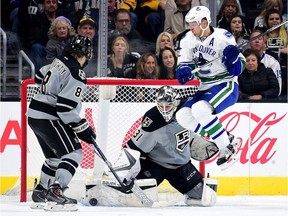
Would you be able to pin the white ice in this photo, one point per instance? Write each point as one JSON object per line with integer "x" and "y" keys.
{"x": 225, "y": 206}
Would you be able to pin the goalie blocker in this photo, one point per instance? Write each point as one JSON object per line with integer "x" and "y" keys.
{"x": 108, "y": 192}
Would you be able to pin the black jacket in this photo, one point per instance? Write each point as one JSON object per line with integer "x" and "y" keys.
{"x": 262, "y": 82}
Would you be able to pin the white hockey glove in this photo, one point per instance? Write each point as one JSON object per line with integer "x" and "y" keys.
{"x": 84, "y": 131}
{"x": 202, "y": 149}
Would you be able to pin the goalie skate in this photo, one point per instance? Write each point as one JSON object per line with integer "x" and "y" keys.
{"x": 228, "y": 155}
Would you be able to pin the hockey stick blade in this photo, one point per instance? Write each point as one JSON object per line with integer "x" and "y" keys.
{"x": 241, "y": 45}
{"x": 137, "y": 191}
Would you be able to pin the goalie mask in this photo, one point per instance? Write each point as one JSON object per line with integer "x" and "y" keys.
{"x": 167, "y": 102}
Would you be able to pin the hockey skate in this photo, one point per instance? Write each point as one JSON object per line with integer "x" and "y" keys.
{"x": 57, "y": 201}
{"x": 228, "y": 155}
{"x": 38, "y": 197}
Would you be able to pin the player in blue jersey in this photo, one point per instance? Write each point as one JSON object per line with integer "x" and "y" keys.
{"x": 219, "y": 87}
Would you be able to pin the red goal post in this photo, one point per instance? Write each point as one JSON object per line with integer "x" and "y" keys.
{"x": 117, "y": 105}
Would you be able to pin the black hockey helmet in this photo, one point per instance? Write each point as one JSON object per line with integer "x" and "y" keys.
{"x": 81, "y": 46}
{"x": 167, "y": 101}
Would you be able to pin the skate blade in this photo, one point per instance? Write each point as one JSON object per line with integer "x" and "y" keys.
{"x": 54, "y": 207}
{"x": 231, "y": 161}
{"x": 39, "y": 205}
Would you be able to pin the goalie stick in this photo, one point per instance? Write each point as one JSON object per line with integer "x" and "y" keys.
{"x": 241, "y": 45}
{"x": 145, "y": 200}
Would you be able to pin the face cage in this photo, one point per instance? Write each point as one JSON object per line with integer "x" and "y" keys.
{"x": 167, "y": 115}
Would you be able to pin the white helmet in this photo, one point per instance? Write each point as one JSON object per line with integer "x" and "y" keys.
{"x": 196, "y": 14}
{"x": 167, "y": 101}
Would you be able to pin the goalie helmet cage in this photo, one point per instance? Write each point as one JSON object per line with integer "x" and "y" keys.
{"x": 113, "y": 107}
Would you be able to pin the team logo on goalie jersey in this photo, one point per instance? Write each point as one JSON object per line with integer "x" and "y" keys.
{"x": 182, "y": 139}
{"x": 146, "y": 122}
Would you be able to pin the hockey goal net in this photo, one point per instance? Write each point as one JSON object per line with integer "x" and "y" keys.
{"x": 113, "y": 107}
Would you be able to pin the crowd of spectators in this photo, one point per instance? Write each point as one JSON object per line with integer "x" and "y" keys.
{"x": 143, "y": 36}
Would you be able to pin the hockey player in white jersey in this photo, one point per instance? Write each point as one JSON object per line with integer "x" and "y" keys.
{"x": 219, "y": 87}
{"x": 53, "y": 115}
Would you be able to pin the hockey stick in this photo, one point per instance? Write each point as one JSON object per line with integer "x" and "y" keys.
{"x": 244, "y": 43}
{"x": 145, "y": 200}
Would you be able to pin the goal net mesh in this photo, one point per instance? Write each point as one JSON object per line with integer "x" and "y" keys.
{"x": 113, "y": 107}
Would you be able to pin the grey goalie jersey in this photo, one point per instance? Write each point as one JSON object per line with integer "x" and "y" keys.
{"x": 166, "y": 144}
{"x": 62, "y": 84}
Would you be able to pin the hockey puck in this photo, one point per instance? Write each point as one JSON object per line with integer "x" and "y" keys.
{"x": 93, "y": 202}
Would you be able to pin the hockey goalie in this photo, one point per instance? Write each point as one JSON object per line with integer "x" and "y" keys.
{"x": 160, "y": 149}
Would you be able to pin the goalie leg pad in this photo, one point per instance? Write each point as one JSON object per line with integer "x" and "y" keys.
{"x": 209, "y": 194}
{"x": 108, "y": 193}
{"x": 202, "y": 149}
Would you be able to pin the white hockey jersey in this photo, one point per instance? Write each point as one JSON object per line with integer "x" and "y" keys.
{"x": 194, "y": 50}
{"x": 271, "y": 62}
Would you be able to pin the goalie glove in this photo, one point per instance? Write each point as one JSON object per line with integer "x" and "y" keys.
{"x": 231, "y": 60}
{"x": 202, "y": 149}
{"x": 184, "y": 73}
{"x": 84, "y": 131}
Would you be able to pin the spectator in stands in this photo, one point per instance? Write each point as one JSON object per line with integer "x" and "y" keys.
{"x": 164, "y": 39}
{"x": 267, "y": 6}
{"x": 269, "y": 61}
{"x": 121, "y": 63}
{"x": 228, "y": 9}
{"x": 167, "y": 63}
{"x": 130, "y": 5}
{"x": 237, "y": 28}
{"x": 9, "y": 11}
{"x": 87, "y": 28}
{"x": 147, "y": 67}
{"x": 274, "y": 18}
{"x": 256, "y": 81}
{"x": 60, "y": 34}
{"x": 171, "y": 5}
{"x": 27, "y": 11}
{"x": 123, "y": 26}
{"x": 36, "y": 28}
{"x": 112, "y": 8}
{"x": 151, "y": 18}
{"x": 277, "y": 42}
{"x": 175, "y": 19}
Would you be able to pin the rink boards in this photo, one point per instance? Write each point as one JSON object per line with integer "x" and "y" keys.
{"x": 262, "y": 168}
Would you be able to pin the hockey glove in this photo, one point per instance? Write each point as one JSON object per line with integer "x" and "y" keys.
{"x": 184, "y": 73}
{"x": 231, "y": 60}
{"x": 84, "y": 131}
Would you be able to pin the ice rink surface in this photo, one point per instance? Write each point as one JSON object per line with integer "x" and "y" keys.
{"x": 226, "y": 205}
